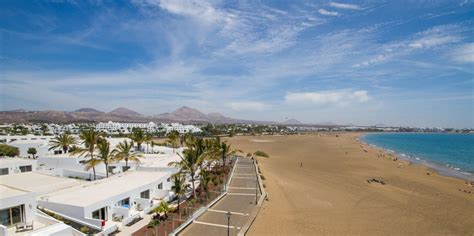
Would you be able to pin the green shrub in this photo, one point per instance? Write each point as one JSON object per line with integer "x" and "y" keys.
{"x": 10, "y": 151}
{"x": 261, "y": 154}
{"x": 262, "y": 177}
{"x": 84, "y": 229}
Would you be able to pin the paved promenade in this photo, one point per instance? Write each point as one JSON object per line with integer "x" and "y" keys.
{"x": 240, "y": 201}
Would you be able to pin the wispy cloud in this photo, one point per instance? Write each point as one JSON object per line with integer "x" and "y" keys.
{"x": 328, "y": 13}
{"x": 338, "y": 97}
{"x": 248, "y": 106}
{"x": 464, "y": 53}
{"x": 345, "y": 6}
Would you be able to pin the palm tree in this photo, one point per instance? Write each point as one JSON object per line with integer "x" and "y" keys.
{"x": 152, "y": 144}
{"x": 63, "y": 141}
{"x": 173, "y": 139}
{"x": 104, "y": 154}
{"x": 122, "y": 152}
{"x": 91, "y": 164}
{"x": 138, "y": 136}
{"x": 205, "y": 179}
{"x": 164, "y": 208}
{"x": 148, "y": 139}
{"x": 89, "y": 138}
{"x": 225, "y": 151}
{"x": 179, "y": 186}
{"x": 190, "y": 161}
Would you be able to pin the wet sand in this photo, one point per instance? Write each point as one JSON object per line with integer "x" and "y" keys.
{"x": 329, "y": 194}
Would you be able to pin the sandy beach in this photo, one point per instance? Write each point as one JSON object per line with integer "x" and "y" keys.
{"x": 330, "y": 195}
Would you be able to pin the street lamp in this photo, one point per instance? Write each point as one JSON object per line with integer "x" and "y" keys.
{"x": 228, "y": 221}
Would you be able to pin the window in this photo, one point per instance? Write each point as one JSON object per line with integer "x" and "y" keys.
{"x": 12, "y": 215}
{"x": 160, "y": 186}
{"x": 124, "y": 203}
{"x": 168, "y": 180}
{"x": 25, "y": 168}
{"x": 145, "y": 194}
{"x": 100, "y": 214}
{"x": 3, "y": 171}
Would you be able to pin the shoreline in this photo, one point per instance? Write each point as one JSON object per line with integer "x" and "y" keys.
{"x": 439, "y": 168}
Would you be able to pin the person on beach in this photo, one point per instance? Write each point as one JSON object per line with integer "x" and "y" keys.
{"x": 301, "y": 164}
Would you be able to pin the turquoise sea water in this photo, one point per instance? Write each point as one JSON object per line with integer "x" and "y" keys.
{"x": 448, "y": 152}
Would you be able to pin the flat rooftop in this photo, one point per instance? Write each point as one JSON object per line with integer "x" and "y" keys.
{"x": 92, "y": 192}
{"x": 38, "y": 183}
{"x": 8, "y": 192}
{"x": 6, "y": 161}
{"x": 160, "y": 160}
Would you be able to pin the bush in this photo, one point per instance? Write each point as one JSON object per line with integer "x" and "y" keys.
{"x": 84, "y": 229}
{"x": 261, "y": 154}
{"x": 10, "y": 151}
{"x": 262, "y": 177}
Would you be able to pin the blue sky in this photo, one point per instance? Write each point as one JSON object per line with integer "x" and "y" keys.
{"x": 366, "y": 62}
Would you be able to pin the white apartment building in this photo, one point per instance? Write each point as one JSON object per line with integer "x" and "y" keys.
{"x": 116, "y": 127}
{"x": 182, "y": 129}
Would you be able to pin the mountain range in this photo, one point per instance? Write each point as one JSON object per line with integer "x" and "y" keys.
{"x": 182, "y": 115}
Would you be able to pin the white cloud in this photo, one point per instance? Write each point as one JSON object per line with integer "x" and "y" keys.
{"x": 328, "y": 13}
{"x": 247, "y": 106}
{"x": 436, "y": 36}
{"x": 345, "y": 6}
{"x": 337, "y": 97}
{"x": 464, "y": 53}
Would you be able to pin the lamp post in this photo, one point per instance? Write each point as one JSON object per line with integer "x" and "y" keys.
{"x": 228, "y": 221}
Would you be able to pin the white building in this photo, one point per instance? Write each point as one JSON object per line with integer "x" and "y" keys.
{"x": 103, "y": 205}
{"x": 18, "y": 215}
{"x": 182, "y": 129}
{"x": 126, "y": 128}
{"x": 116, "y": 127}
{"x": 10, "y": 165}
{"x": 24, "y": 142}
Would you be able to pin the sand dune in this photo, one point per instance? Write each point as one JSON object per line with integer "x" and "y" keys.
{"x": 329, "y": 194}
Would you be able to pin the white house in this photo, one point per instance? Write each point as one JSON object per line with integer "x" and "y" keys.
{"x": 105, "y": 204}
{"x": 18, "y": 215}
{"x": 24, "y": 142}
{"x": 110, "y": 202}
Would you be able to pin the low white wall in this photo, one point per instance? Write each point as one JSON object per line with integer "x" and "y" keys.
{"x": 70, "y": 163}
{"x": 74, "y": 212}
{"x": 54, "y": 230}
{"x": 3, "y": 230}
{"x": 144, "y": 203}
{"x": 120, "y": 211}
{"x": 66, "y": 173}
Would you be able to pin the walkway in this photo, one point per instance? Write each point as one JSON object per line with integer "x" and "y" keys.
{"x": 240, "y": 201}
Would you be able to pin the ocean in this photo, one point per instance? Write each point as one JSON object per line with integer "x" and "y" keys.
{"x": 449, "y": 154}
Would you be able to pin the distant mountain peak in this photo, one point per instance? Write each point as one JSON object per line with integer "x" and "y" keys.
{"x": 293, "y": 122}
{"x": 122, "y": 111}
{"x": 88, "y": 110}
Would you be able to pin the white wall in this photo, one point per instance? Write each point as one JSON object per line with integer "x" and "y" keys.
{"x": 132, "y": 194}
{"x": 27, "y": 199}
{"x": 67, "y": 162}
{"x": 13, "y": 164}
